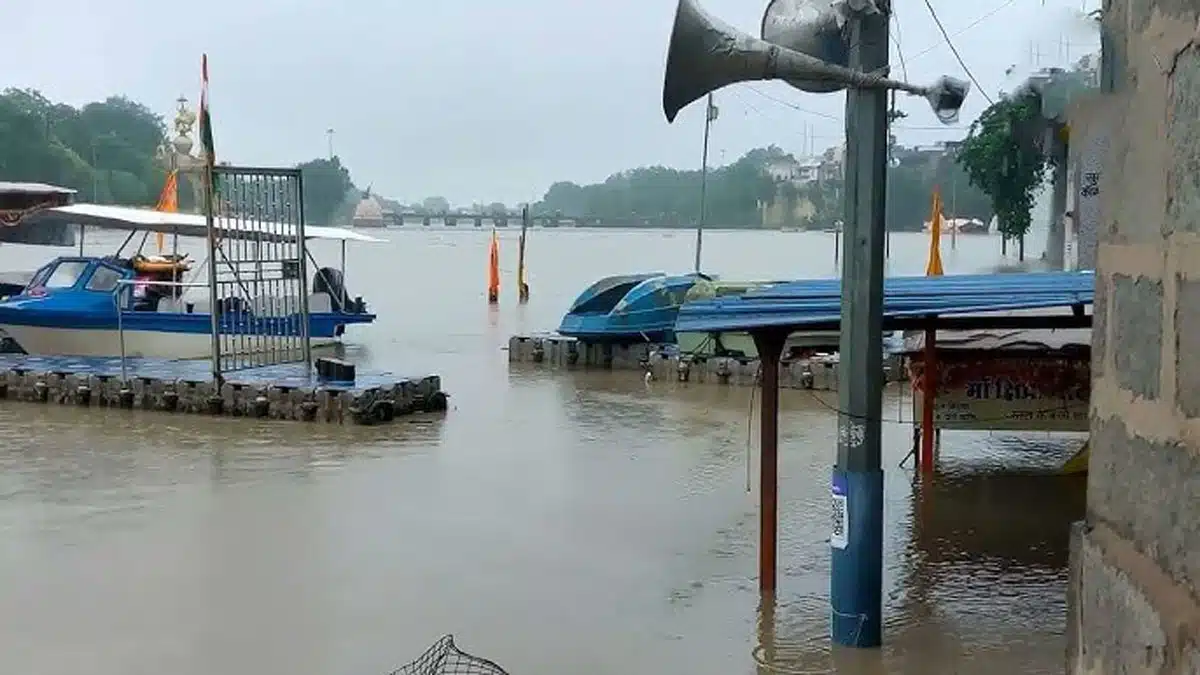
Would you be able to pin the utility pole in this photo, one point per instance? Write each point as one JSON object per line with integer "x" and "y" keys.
{"x": 710, "y": 115}
{"x": 329, "y": 138}
{"x": 856, "y": 579}
{"x": 892, "y": 116}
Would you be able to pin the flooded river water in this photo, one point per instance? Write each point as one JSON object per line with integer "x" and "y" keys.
{"x": 553, "y": 522}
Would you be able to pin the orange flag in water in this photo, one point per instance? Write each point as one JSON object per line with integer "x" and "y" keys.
{"x": 168, "y": 200}
{"x": 934, "y": 266}
{"x": 493, "y": 288}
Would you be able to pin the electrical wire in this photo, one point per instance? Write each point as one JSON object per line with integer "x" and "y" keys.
{"x": 984, "y": 17}
{"x": 899, "y": 50}
{"x": 954, "y": 50}
{"x": 835, "y": 118}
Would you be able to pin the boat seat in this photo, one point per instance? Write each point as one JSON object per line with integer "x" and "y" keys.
{"x": 172, "y": 306}
{"x": 320, "y": 303}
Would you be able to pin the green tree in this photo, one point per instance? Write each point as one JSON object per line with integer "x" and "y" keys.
{"x": 326, "y": 184}
{"x": 1002, "y": 156}
{"x": 106, "y": 150}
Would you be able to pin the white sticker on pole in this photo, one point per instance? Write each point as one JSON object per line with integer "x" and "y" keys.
{"x": 839, "y": 537}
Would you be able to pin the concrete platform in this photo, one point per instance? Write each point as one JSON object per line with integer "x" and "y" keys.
{"x": 664, "y": 362}
{"x": 283, "y": 392}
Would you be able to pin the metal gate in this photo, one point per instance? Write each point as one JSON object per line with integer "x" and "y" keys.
{"x": 256, "y": 269}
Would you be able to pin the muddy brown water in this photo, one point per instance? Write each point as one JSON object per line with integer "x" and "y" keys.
{"x": 553, "y": 522}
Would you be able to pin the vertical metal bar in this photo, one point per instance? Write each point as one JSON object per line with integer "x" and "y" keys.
{"x": 929, "y": 385}
{"x": 237, "y": 223}
{"x": 212, "y": 274}
{"x": 121, "y": 331}
{"x": 302, "y": 242}
{"x": 82, "y": 229}
{"x": 856, "y": 579}
{"x": 343, "y": 289}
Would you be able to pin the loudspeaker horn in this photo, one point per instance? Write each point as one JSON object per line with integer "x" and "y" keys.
{"x": 813, "y": 27}
{"x": 706, "y": 54}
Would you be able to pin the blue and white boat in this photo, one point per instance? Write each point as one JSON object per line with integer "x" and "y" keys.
{"x": 629, "y": 308}
{"x": 133, "y": 305}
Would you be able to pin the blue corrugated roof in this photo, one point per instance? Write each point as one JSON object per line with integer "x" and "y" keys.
{"x": 819, "y": 301}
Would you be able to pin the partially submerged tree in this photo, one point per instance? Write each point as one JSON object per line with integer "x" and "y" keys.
{"x": 1003, "y": 156}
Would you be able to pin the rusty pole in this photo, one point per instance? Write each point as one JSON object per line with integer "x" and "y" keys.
{"x": 770, "y": 346}
{"x": 929, "y": 384}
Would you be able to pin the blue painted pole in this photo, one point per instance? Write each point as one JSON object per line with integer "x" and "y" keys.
{"x": 856, "y": 578}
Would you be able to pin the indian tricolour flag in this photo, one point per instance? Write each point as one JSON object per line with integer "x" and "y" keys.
{"x": 206, "y": 135}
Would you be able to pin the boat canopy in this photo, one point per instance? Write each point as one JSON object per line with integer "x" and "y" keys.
{"x": 604, "y": 294}
{"x": 185, "y": 224}
{"x": 41, "y": 189}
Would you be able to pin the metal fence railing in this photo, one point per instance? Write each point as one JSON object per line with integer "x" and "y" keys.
{"x": 254, "y": 329}
{"x": 444, "y": 658}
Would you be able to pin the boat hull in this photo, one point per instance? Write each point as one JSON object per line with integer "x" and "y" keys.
{"x": 656, "y": 326}
{"x": 45, "y": 341}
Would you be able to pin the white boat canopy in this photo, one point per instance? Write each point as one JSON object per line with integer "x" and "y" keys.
{"x": 186, "y": 224}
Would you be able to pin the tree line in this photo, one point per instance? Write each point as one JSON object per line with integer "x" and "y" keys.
{"x": 738, "y": 194}
{"x": 109, "y": 152}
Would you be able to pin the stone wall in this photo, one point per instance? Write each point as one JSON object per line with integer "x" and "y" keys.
{"x": 1136, "y": 560}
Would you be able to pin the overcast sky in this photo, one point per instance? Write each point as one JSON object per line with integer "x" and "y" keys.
{"x": 480, "y": 100}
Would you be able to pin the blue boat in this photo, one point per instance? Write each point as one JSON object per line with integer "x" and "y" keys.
{"x": 629, "y": 308}
{"x": 136, "y": 305}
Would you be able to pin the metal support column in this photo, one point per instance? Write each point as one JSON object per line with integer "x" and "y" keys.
{"x": 1056, "y": 235}
{"x": 856, "y": 580}
{"x": 770, "y": 346}
{"x": 929, "y": 387}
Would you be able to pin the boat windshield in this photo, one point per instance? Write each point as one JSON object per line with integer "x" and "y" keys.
{"x": 60, "y": 274}
{"x": 67, "y": 274}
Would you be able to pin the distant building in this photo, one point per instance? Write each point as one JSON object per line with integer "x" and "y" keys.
{"x": 369, "y": 213}
{"x": 832, "y": 164}
{"x": 783, "y": 169}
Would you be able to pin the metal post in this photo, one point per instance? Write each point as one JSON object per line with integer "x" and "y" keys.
{"x": 1056, "y": 236}
{"x": 343, "y": 270}
{"x": 708, "y": 120}
{"x": 522, "y": 284}
{"x": 214, "y": 309}
{"x": 302, "y": 244}
{"x": 856, "y": 580}
{"x": 929, "y": 385}
{"x": 769, "y": 345}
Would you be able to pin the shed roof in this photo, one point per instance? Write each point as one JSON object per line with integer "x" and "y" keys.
{"x": 801, "y": 304}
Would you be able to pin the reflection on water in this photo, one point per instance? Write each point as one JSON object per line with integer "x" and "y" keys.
{"x": 553, "y": 522}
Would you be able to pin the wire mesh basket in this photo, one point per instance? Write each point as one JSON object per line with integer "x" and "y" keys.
{"x": 444, "y": 658}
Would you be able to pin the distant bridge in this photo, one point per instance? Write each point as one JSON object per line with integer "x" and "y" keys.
{"x": 496, "y": 220}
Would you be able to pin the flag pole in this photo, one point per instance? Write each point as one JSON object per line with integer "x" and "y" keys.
{"x": 206, "y": 148}
{"x": 710, "y": 114}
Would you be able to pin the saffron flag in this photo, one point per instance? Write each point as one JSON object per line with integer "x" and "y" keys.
{"x": 168, "y": 201}
{"x": 934, "y": 267}
{"x": 493, "y": 282}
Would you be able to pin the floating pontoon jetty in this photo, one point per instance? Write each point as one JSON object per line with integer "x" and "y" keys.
{"x": 282, "y": 392}
{"x": 255, "y": 320}
{"x": 665, "y": 362}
